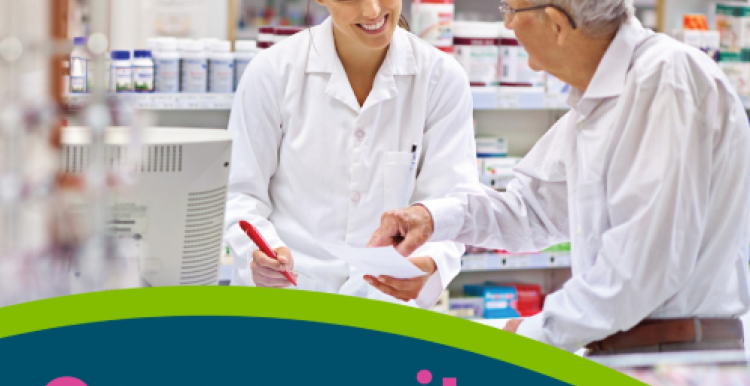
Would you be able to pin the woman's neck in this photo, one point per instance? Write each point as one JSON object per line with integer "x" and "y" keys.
{"x": 357, "y": 57}
{"x": 360, "y": 64}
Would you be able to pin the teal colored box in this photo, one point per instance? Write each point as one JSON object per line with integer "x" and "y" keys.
{"x": 499, "y": 302}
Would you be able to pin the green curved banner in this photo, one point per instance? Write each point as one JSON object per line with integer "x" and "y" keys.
{"x": 311, "y": 307}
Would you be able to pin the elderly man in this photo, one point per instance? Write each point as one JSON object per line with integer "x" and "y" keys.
{"x": 648, "y": 176}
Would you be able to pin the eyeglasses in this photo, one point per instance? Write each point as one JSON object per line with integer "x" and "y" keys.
{"x": 508, "y": 11}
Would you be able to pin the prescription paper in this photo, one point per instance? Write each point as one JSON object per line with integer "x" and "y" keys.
{"x": 375, "y": 261}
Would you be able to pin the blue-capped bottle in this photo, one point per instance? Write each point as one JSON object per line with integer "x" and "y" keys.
{"x": 143, "y": 71}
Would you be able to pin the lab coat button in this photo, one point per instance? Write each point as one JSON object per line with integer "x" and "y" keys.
{"x": 356, "y": 197}
{"x": 359, "y": 134}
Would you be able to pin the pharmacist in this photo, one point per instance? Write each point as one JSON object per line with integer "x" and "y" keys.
{"x": 648, "y": 176}
{"x": 332, "y": 127}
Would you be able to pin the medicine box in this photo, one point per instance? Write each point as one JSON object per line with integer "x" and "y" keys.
{"x": 733, "y": 24}
{"x": 467, "y": 307}
{"x": 496, "y": 172}
{"x": 491, "y": 147}
{"x": 511, "y": 300}
{"x": 737, "y": 70}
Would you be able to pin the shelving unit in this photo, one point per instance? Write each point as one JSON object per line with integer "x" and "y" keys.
{"x": 504, "y": 262}
{"x": 158, "y": 101}
{"x": 485, "y": 98}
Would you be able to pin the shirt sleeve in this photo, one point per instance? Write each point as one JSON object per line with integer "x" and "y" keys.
{"x": 657, "y": 193}
{"x": 448, "y": 159}
{"x": 255, "y": 125}
{"x": 530, "y": 215}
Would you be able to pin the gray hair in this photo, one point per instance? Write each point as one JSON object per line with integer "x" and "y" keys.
{"x": 596, "y": 18}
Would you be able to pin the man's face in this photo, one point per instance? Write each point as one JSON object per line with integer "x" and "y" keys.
{"x": 534, "y": 33}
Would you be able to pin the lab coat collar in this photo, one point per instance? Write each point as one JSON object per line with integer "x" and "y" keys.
{"x": 323, "y": 58}
{"x": 610, "y": 76}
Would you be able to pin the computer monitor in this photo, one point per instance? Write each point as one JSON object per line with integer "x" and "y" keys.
{"x": 175, "y": 211}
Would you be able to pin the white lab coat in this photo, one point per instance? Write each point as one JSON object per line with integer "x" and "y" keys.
{"x": 310, "y": 164}
{"x": 649, "y": 177}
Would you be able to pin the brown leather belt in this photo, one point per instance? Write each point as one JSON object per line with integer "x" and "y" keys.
{"x": 661, "y": 331}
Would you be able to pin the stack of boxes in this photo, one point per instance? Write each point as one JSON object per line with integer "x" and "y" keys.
{"x": 506, "y": 300}
{"x": 494, "y": 166}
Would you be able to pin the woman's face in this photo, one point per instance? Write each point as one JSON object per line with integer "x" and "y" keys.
{"x": 368, "y": 22}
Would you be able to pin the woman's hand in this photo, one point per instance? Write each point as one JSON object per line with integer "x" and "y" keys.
{"x": 267, "y": 271}
{"x": 405, "y": 289}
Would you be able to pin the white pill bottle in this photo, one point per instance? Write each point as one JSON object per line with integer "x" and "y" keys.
{"x": 166, "y": 66}
{"x": 244, "y": 52}
{"x": 432, "y": 20}
{"x": 221, "y": 68}
{"x": 476, "y": 48}
{"x": 143, "y": 71}
{"x": 122, "y": 72}
{"x": 194, "y": 68}
{"x": 79, "y": 66}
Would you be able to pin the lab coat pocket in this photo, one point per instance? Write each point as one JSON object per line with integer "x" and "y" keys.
{"x": 399, "y": 180}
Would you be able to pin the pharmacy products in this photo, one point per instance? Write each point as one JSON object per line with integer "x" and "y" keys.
{"x": 737, "y": 70}
{"x": 281, "y": 33}
{"x": 92, "y": 78}
{"x": 476, "y": 49}
{"x": 514, "y": 63}
{"x": 166, "y": 66}
{"x": 265, "y": 37}
{"x": 207, "y": 44}
{"x": 733, "y": 24}
{"x": 507, "y": 300}
{"x": 122, "y": 72}
{"x": 497, "y": 173}
{"x": 432, "y": 20}
{"x": 221, "y": 68}
{"x": 707, "y": 41}
{"x": 244, "y": 52}
{"x": 193, "y": 68}
{"x": 491, "y": 147}
{"x": 143, "y": 71}
{"x": 79, "y": 66}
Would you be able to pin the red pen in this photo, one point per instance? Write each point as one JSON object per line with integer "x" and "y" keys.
{"x": 253, "y": 233}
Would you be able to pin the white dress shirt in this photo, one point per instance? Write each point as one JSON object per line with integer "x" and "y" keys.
{"x": 309, "y": 164}
{"x": 648, "y": 176}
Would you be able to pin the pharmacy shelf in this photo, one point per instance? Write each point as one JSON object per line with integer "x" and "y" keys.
{"x": 484, "y": 262}
{"x": 162, "y": 101}
{"x": 516, "y": 98}
{"x": 485, "y": 98}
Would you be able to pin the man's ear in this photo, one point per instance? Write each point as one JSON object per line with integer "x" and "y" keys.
{"x": 559, "y": 24}
{"x": 320, "y": 2}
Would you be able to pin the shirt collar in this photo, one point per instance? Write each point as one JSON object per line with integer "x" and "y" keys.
{"x": 610, "y": 76}
{"x": 322, "y": 55}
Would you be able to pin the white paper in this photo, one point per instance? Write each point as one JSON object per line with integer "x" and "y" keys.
{"x": 375, "y": 261}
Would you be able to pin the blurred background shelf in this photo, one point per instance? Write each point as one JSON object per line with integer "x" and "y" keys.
{"x": 485, "y": 98}
{"x": 503, "y": 262}
{"x": 159, "y": 101}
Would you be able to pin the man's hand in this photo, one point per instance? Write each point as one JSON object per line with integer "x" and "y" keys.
{"x": 512, "y": 325}
{"x": 405, "y": 289}
{"x": 404, "y": 229}
{"x": 267, "y": 271}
